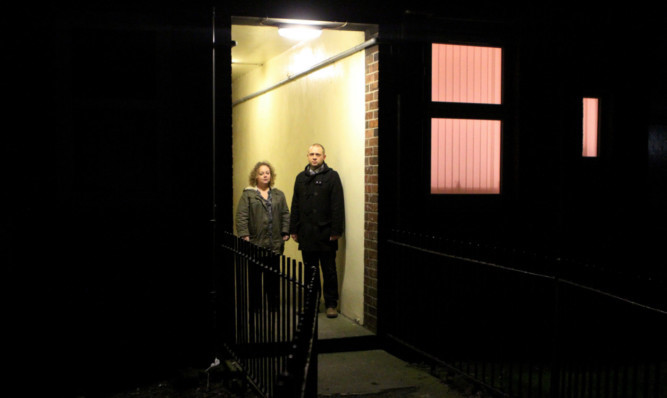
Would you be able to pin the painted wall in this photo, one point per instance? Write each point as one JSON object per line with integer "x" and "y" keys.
{"x": 327, "y": 107}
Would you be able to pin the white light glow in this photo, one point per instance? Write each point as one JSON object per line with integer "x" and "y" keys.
{"x": 306, "y": 58}
{"x": 299, "y": 32}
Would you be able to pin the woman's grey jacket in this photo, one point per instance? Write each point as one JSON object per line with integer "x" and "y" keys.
{"x": 252, "y": 219}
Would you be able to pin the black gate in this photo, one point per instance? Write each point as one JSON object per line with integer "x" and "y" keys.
{"x": 268, "y": 318}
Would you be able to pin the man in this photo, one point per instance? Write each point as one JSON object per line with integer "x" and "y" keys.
{"x": 318, "y": 220}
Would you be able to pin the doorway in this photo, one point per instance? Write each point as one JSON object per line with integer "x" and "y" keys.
{"x": 288, "y": 94}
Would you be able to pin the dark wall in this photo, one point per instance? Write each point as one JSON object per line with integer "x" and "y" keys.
{"x": 110, "y": 196}
{"x": 552, "y": 199}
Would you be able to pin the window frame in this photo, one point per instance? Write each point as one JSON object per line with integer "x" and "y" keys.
{"x": 465, "y": 110}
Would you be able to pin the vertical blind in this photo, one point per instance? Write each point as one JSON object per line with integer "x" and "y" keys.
{"x": 590, "y": 128}
{"x": 465, "y": 156}
{"x": 470, "y": 74}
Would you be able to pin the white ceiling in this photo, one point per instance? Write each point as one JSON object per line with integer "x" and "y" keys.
{"x": 254, "y": 46}
{"x": 257, "y": 40}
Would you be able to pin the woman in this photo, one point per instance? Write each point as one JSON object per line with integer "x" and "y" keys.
{"x": 262, "y": 216}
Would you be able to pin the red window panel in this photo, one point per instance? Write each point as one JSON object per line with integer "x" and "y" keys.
{"x": 465, "y": 156}
{"x": 590, "y": 127}
{"x": 468, "y": 74}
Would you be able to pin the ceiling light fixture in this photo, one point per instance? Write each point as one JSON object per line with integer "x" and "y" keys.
{"x": 296, "y": 32}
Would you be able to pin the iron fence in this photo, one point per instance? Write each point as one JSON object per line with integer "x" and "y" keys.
{"x": 268, "y": 318}
{"x": 522, "y": 324}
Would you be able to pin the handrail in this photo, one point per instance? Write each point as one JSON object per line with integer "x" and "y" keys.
{"x": 525, "y": 323}
{"x": 534, "y": 274}
{"x": 300, "y": 378}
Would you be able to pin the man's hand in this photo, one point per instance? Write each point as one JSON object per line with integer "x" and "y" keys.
{"x": 295, "y": 237}
{"x": 246, "y": 238}
{"x": 285, "y": 237}
{"x": 334, "y": 237}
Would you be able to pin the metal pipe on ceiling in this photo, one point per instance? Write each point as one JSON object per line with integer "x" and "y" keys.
{"x": 312, "y": 69}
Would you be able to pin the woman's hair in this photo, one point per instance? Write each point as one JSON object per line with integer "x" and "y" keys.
{"x": 253, "y": 174}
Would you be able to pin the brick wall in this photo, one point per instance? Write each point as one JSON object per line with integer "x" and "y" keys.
{"x": 371, "y": 189}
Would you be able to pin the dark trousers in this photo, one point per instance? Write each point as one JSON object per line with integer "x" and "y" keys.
{"x": 327, "y": 260}
{"x": 262, "y": 282}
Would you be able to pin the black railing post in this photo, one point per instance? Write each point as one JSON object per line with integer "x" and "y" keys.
{"x": 556, "y": 355}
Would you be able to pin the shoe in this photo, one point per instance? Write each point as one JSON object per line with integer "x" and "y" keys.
{"x": 332, "y": 313}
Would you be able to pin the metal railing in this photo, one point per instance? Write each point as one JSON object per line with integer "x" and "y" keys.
{"x": 525, "y": 325}
{"x": 268, "y": 318}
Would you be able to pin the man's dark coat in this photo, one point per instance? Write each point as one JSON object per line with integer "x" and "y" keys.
{"x": 318, "y": 209}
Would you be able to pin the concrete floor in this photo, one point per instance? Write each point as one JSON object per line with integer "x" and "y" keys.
{"x": 339, "y": 328}
{"x": 365, "y": 370}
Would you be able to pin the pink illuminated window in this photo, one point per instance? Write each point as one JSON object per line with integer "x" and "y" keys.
{"x": 465, "y": 156}
{"x": 469, "y": 74}
{"x": 465, "y": 151}
{"x": 590, "y": 128}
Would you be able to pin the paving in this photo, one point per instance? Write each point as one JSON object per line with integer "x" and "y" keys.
{"x": 350, "y": 365}
{"x": 369, "y": 372}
